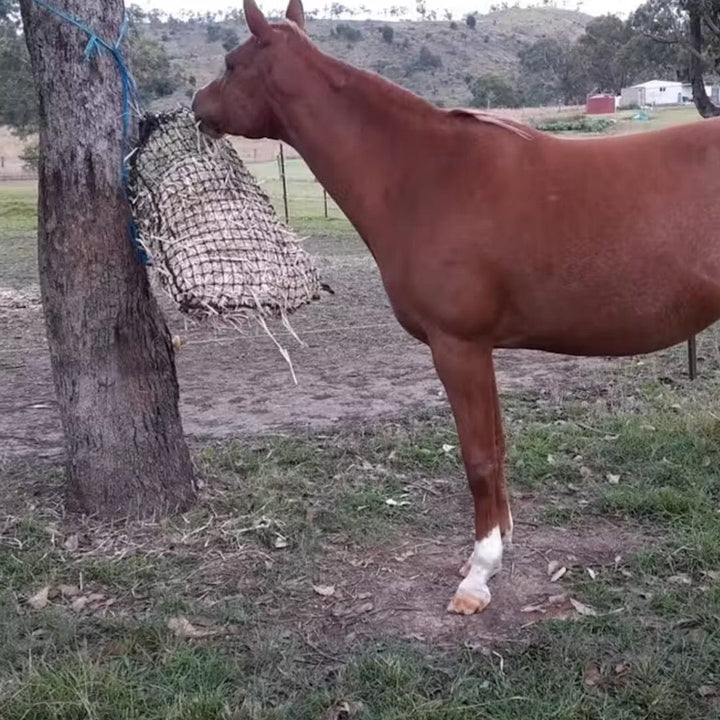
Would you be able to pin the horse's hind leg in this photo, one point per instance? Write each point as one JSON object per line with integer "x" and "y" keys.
{"x": 466, "y": 370}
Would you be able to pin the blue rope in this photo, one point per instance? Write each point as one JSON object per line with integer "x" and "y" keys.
{"x": 96, "y": 46}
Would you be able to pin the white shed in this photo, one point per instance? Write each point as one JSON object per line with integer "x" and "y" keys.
{"x": 662, "y": 92}
{"x": 653, "y": 92}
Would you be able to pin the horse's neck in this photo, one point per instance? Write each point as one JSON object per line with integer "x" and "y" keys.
{"x": 351, "y": 133}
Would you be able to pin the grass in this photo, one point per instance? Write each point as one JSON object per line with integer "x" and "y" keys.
{"x": 655, "y": 655}
{"x": 18, "y": 220}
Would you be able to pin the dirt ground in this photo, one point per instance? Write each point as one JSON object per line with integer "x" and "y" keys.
{"x": 356, "y": 363}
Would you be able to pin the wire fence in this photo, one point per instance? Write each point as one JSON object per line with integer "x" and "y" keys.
{"x": 294, "y": 191}
{"x": 292, "y": 188}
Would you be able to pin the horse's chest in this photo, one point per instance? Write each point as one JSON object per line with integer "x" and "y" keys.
{"x": 404, "y": 307}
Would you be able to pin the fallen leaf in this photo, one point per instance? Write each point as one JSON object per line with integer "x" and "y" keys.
{"x": 181, "y": 627}
{"x": 40, "y": 599}
{"x": 681, "y": 579}
{"x": 551, "y": 459}
{"x": 621, "y": 668}
{"x": 583, "y": 609}
{"x": 553, "y": 565}
{"x": 448, "y": 448}
{"x": 709, "y": 691}
{"x": 613, "y": 479}
{"x": 592, "y": 676}
{"x": 557, "y": 599}
{"x": 354, "y": 611}
{"x": 559, "y": 573}
{"x": 79, "y": 603}
{"x": 591, "y": 573}
{"x": 72, "y": 542}
{"x": 53, "y": 532}
{"x": 362, "y": 609}
{"x": 344, "y": 711}
{"x": 538, "y": 607}
{"x": 280, "y": 542}
{"x": 68, "y": 591}
{"x": 324, "y": 590}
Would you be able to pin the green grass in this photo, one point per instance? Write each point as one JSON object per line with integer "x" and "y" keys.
{"x": 18, "y": 223}
{"x": 656, "y": 655}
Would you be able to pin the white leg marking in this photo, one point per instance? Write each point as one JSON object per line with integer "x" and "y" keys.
{"x": 472, "y": 594}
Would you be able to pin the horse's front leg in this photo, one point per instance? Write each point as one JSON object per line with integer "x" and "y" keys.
{"x": 466, "y": 370}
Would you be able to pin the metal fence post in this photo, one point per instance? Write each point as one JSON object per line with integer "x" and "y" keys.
{"x": 692, "y": 358}
{"x": 283, "y": 178}
{"x": 325, "y": 203}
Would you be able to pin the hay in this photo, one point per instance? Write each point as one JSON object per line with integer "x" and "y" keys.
{"x": 212, "y": 235}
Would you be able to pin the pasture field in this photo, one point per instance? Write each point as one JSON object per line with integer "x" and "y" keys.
{"x": 296, "y": 591}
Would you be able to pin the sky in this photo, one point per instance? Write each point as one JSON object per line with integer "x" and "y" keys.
{"x": 459, "y": 8}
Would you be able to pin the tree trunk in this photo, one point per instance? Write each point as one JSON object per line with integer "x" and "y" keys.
{"x": 703, "y": 103}
{"x": 111, "y": 352}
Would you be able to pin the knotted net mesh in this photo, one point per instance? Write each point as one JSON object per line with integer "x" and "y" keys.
{"x": 211, "y": 233}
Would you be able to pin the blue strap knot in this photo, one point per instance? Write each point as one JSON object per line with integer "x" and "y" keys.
{"x": 96, "y": 45}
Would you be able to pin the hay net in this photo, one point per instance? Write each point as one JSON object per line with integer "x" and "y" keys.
{"x": 211, "y": 233}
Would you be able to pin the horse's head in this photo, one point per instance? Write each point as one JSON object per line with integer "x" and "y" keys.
{"x": 264, "y": 67}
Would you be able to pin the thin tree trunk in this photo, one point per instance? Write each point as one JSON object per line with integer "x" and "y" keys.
{"x": 110, "y": 348}
{"x": 703, "y": 103}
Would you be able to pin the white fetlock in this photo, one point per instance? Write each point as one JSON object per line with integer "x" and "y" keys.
{"x": 473, "y": 594}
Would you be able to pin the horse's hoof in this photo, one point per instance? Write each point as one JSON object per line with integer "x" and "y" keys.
{"x": 465, "y": 604}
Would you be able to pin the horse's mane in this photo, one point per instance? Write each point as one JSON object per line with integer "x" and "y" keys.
{"x": 514, "y": 127}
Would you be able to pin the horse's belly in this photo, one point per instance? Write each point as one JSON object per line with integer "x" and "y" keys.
{"x": 627, "y": 326}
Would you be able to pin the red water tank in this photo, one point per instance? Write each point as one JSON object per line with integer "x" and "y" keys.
{"x": 600, "y": 104}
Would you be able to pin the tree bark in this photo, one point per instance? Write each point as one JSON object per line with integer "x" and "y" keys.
{"x": 703, "y": 103}
{"x": 111, "y": 352}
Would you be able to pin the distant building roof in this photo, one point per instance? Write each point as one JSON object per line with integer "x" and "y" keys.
{"x": 657, "y": 83}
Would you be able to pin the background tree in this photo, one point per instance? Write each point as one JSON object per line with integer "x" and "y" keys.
{"x": 553, "y": 71}
{"x": 493, "y": 90}
{"x": 155, "y": 74}
{"x": 600, "y": 48}
{"x": 111, "y": 354}
{"x": 693, "y": 28}
{"x": 230, "y": 39}
{"x": 18, "y": 104}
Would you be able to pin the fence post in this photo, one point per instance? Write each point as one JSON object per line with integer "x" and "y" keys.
{"x": 325, "y": 202}
{"x": 692, "y": 358}
{"x": 284, "y": 183}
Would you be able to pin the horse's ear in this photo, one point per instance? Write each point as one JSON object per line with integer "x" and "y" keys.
{"x": 296, "y": 13}
{"x": 256, "y": 21}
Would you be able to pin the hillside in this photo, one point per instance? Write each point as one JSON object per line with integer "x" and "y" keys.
{"x": 432, "y": 59}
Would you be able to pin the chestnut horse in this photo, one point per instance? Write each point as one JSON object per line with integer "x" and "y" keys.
{"x": 489, "y": 234}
